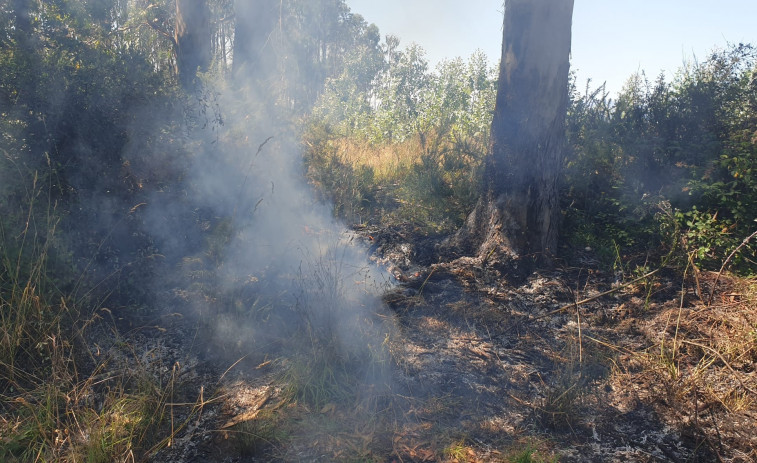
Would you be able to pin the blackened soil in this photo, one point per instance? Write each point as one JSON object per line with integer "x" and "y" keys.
{"x": 482, "y": 370}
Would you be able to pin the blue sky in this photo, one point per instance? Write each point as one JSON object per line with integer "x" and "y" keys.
{"x": 612, "y": 39}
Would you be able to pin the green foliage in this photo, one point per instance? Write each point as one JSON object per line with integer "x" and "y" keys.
{"x": 401, "y": 143}
{"x": 689, "y": 143}
{"x": 70, "y": 177}
{"x": 529, "y": 455}
{"x": 390, "y": 98}
{"x": 320, "y": 40}
{"x": 76, "y": 99}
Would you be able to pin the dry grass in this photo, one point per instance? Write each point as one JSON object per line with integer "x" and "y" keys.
{"x": 428, "y": 180}
{"x": 389, "y": 162}
{"x": 54, "y": 412}
{"x": 59, "y": 399}
{"x": 700, "y": 371}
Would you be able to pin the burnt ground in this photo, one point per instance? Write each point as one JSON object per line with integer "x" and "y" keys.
{"x": 483, "y": 370}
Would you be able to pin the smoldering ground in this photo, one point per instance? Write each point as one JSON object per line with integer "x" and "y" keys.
{"x": 254, "y": 259}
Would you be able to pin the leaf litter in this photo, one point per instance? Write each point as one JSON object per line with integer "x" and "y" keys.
{"x": 485, "y": 371}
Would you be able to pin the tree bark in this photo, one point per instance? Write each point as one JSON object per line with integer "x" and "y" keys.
{"x": 22, "y": 11}
{"x": 28, "y": 53}
{"x": 517, "y": 214}
{"x": 193, "y": 39}
{"x": 252, "y": 52}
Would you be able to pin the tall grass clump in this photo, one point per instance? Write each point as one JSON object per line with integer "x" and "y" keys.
{"x": 340, "y": 353}
{"x": 31, "y": 308}
{"x": 429, "y": 180}
{"x": 58, "y": 402}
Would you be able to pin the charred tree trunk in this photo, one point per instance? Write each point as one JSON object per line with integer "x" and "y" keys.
{"x": 192, "y": 39}
{"x": 253, "y": 56}
{"x": 517, "y": 215}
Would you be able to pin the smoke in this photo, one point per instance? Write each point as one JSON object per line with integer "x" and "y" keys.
{"x": 197, "y": 203}
{"x": 249, "y": 250}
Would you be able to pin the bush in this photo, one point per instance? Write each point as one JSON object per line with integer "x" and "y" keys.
{"x": 407, "y": 147}
{"x": 691, "y": 143}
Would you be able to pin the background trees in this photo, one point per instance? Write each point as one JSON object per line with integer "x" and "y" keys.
{"x": 99, "y": 118}
{"x": 662, "y": 158}
{"x": 666, "y": 153}
{"x": 390, "y": 136}
{"x": 99, "y": 125}
{"x": 255, "y": 23}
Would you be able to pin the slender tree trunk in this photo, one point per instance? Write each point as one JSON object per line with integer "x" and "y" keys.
{"x": 517, "y": 215}
{"x": 27, "y": 56}
{"x": 21, "y": 12}
{"x": 253, "y": 56}
{"x": 193, "y": 39}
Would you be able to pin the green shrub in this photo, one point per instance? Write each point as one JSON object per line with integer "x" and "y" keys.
{"x": 690, "y": 143}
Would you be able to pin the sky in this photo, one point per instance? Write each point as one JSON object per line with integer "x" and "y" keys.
{"x": 612, "y": 39}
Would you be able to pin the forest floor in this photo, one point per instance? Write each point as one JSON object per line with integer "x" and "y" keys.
{"x": 483, "y": 370}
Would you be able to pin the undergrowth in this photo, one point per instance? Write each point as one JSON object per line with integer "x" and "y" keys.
{"x": 429, "y": 180}
{"x": 60, "y": 400}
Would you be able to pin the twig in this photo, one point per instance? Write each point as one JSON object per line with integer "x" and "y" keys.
{"x": 162, "y": 31}
{"x": 247, "y": 176}
{"x": 580, "y": 340}
{"x": 584, "y": 301}
{"x": 232, "y": 366}
{"x": 420, "y": 290}
{"x": 699, "y": 292}
{"x": 725, "y": 362}
{"x": 680, "y": 308}
{"x": 720, "y": 438}
{"x": 726, "y": 262}
{"x": 612, "y": 346}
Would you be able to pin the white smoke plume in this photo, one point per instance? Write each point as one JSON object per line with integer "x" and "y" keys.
{"x": 261, "y": 261}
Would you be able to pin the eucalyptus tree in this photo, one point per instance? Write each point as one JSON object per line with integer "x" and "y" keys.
{"x": 192, "y": 39}
{"x": 23, "y": 24}
{"x": 253, "y": 53}
{"x": 287, "y": 50}
{"x": 517, "y": 214}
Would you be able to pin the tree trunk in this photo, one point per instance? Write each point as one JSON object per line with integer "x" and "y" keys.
{"x": 193, "y": 39}
{"x": 253, "y": 56}
{"x": 28, "y": 55}
{"x": 21, "y": 12}
{"x": 517, "y": 215}
{"x": 24, "y": 31}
